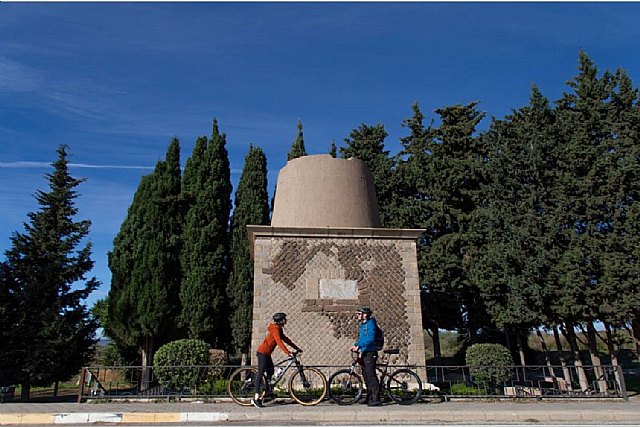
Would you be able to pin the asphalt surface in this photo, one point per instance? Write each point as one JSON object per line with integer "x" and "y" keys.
{"x": 572, "y": 412}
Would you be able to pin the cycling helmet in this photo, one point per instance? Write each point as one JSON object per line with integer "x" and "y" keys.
{"x": 279, "y": 317}
{"x": 365, "y": 310}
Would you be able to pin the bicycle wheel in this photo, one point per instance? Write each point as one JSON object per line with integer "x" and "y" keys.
{"x": 241, "y": 385}
{"x": 345, "y": 387}
{"x": 308, "y": 386}
{"x": 404, "y": 387}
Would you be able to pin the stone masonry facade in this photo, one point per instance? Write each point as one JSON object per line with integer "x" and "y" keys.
{"x": 320, "y": 281}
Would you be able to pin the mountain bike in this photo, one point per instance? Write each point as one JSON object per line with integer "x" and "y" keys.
{"x": 307, "y": 386}
{"x": 402, "y": 386}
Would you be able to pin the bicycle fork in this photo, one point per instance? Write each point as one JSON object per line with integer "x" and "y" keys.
{"x": 305, "y": 382}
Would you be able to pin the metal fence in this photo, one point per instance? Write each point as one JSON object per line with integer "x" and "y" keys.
{"x": 442, "y": 382}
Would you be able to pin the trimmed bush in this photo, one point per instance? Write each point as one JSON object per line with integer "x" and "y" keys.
{"x": 173, "y": 363}
{"x": 489, "y": 364}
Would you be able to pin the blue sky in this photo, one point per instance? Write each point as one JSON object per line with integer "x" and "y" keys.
{"x": 116, "y": 81}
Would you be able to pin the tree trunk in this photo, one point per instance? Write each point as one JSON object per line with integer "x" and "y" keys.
{"x": 563, "y": 360}
{"x": 595, "y": 357}
{"x": 25, "y": 392}
{"x": 55, "y": 388}
{"x": 545, "y": 351}
{"x": 244, "y": 359}
{"x": 523, "y": 362}
{"x": 435, "y": 337}
{"x": 577, "y": 361}
{"x": 147, "y": 361}
{"x": 635, "y": 328}
{"x": 617, "y": 369}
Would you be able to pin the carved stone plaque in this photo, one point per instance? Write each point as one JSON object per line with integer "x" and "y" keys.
{"x": 338, "y": 289}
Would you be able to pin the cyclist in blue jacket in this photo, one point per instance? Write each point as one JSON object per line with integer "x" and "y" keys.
{"x": 366, "y": 345}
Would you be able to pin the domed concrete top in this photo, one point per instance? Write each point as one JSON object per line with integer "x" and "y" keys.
{"x": 320, "y": 191}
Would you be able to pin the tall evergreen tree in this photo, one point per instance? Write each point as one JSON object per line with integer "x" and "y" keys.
{"x": 598, "y": 269}
{"x": 145, "y": 262}
{"x": 207, "y": 190}
{"x": 297, "y": 147}
{"x": 458, "y": 172}
{"x": 513, "y": 271}
{"x": 52, "y": 332}
{"x": 251, "y": 208}
{"x": 410, "y": 209}
{"x": 367, "y": 144}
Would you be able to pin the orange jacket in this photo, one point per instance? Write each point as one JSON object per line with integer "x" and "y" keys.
{"x": 275, "y": 336}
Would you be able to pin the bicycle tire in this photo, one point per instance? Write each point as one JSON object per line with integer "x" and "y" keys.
{"x": 404, "y": 387}
{"x": 241, "y": 385}
{"x": 308, "y": 386}
{"x": 345, "y": 387}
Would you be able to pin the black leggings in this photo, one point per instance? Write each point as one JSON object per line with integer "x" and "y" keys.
{"x": 265, "y": 365}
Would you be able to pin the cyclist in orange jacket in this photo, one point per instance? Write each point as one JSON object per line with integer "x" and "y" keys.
{"x": 275, "y": 337}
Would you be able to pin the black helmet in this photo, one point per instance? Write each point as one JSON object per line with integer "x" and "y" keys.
{"x": 279, "y": 317}
{"x": 365, "y": 310}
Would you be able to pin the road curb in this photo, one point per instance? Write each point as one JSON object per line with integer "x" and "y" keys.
{"x": 111, "y": 418}
{"x": 429, "y": 414}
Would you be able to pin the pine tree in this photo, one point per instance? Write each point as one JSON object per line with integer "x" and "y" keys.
{"x": 207, "y": 189}
{"x": 367, "y": 144}
{"x": 297, "y": 147}
{"x": 52, "y": 331}
{"x": 145, "y": 262}
{"x": 251, "y": 208}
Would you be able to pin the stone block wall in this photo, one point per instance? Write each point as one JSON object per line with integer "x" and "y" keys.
{"x": 320, "y": 281}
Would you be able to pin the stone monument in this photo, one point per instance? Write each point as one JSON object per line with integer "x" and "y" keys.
{"x": 325, "y": 254}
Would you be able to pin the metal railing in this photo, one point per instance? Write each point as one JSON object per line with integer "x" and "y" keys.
{"x": 210, "y": 381}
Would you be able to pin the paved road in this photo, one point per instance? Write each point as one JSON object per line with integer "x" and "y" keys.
{"x": 465, "y": 413}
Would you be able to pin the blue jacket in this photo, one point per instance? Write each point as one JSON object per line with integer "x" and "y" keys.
{"x": 367, "y": 335}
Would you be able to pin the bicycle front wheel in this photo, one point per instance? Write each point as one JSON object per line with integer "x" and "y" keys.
{"x": 404, "y": 387}
{"x": 241, "y": 385}
{"x": 345, "y": 387}
{"x": 308, "y": 386}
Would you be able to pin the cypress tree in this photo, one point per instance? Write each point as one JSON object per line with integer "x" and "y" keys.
{"x": 251, "y": 208}
{"x": 297, "y": 147}
{"x": 598, "y": 268}
{"x": 52, "y": 332}
{"x": 145, "y": 264}
{"x": 513, "y": 271}
{"x": 411, "y": 210}
{"x": 367, "y": 144}
{"x": 457, "y": 173}
{"x": 207, "y": 190}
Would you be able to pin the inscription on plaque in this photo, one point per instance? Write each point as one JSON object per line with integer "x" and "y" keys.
{"x": 338, "y": 289}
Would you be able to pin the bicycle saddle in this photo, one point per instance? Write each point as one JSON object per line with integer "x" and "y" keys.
{"x": 392, "y": 351}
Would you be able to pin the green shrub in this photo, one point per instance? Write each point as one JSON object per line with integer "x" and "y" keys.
{"x": 465, "y": 390}
{"x": 174, "y": 363}
{"x": 217, "y": 387}
{"x": 489, "y": 364}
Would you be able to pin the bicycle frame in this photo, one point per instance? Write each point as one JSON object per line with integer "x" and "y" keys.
{"x": 287, "y": 363}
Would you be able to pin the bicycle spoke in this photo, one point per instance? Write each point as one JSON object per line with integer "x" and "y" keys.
{"x": 241, "y": 386}
{"x": 308, "y": 386}
{"x": 345, "y": 387}
{"x": 404, "y": 387}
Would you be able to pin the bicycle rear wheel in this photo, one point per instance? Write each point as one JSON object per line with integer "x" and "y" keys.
{"x": 404, "y": 387}
{"x": 345, "y": 387}
{"x": 241, "y": 385}
{"x": 308, "y": 386}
